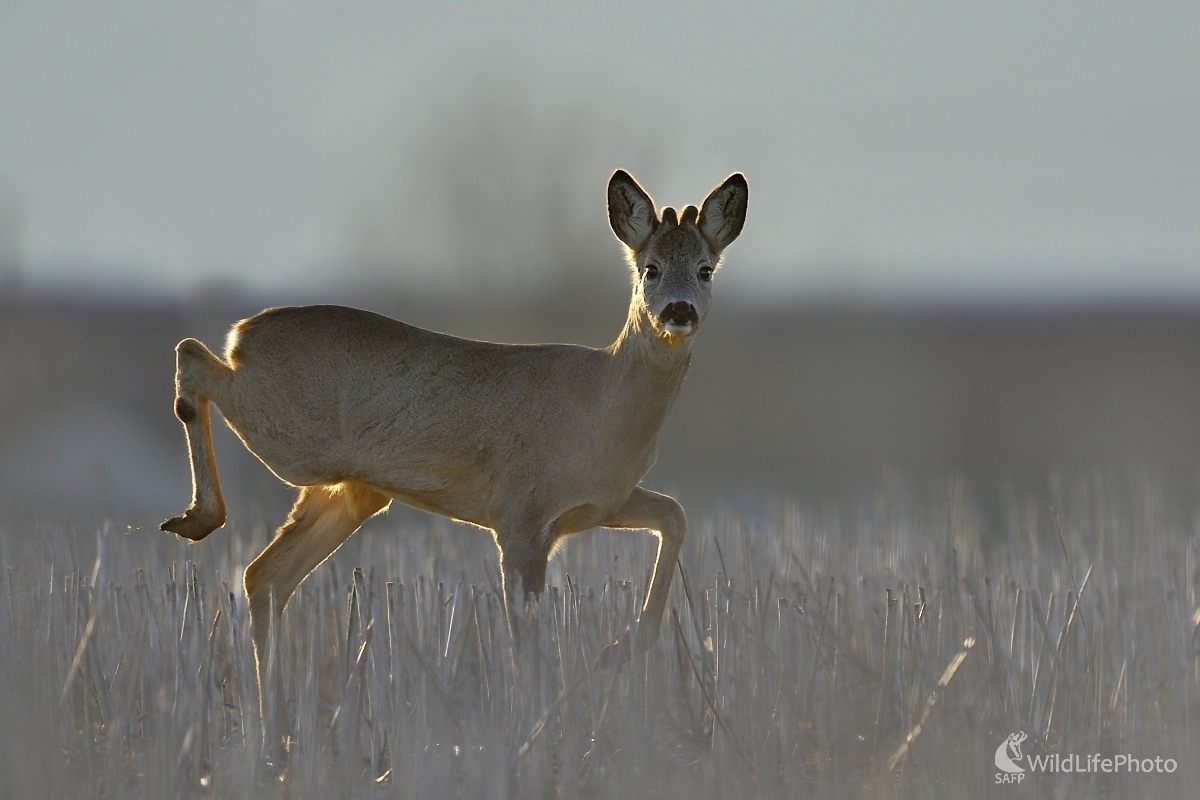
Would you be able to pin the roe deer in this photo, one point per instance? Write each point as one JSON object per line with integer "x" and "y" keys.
{"x": 533, "y": 442}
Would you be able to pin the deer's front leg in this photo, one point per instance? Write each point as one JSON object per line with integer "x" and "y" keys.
{"x": 661, "y": 514}
{"x": 524, "y": 553}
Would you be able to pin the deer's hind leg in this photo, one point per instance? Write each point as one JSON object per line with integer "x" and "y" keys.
{"x": 323, "y": 518}
{"x": 199, "y": 375}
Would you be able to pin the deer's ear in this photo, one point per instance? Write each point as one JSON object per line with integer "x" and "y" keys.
{"x": 724, "y": 212}
{"x": 630, "y": 210}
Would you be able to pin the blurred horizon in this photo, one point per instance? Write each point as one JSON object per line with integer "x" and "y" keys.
{"x": 818, "y": 404}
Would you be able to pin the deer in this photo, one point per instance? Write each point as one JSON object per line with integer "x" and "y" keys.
{"x": 532, "y": 442}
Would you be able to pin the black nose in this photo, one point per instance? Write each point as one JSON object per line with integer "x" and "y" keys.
{"x": 681, "y": 312}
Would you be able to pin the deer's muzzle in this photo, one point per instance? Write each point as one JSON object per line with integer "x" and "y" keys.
{"x": 679, "y": 317}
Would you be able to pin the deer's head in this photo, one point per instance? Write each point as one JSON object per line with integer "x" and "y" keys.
{"x": 675, "y": 255}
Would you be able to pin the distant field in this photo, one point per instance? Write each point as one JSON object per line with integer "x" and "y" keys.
{"x": 882, "y": 648}
{"x": 787, "y": 400}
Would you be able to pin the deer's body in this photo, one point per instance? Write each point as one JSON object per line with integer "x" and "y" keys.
{"x": 531, "y": 441}
{"x": 453, "y": 426}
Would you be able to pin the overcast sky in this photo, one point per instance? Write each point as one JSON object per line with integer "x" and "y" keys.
{"x": 982, "y": 150}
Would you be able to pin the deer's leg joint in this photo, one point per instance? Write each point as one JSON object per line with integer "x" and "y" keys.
{"x": 185, "y": 411}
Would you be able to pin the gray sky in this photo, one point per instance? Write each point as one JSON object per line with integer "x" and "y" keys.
{"x": 980, "y": 150}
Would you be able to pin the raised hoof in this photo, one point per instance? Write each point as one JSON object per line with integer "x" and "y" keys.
{"x": 191, "y": 525}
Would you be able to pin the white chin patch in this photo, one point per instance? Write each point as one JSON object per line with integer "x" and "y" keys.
{"x": 675, "y": 329}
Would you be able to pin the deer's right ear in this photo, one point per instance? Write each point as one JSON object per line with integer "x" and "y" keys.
{"x": 630, "y": 210}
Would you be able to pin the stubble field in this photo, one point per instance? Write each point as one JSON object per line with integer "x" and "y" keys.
{"x": 878, "y": 648}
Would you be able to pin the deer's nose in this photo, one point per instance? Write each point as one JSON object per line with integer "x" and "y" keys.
{"x": 681, "y": 312}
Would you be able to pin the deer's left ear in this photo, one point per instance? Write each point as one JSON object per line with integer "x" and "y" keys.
{"x": 724, "y": 212}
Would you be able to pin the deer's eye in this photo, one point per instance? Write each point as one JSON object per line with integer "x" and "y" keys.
{"x": 705, "y": 274}
{"x": 650, "y": 272}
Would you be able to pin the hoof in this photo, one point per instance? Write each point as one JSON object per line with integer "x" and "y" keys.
{"x": 191, "y": 525}
{"x": 616, "y": 654}
{"x": 646, "y": 638}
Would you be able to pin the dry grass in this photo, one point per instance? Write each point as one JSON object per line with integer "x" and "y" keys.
{"x": 808, "y": 652}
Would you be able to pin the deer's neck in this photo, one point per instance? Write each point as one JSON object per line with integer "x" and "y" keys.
{"x": 648, "y": 370}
